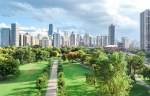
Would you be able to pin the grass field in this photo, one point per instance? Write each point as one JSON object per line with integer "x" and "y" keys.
{"x": 75, "y": 81}
{"x": 24, "y": 84}
{"x": 76, "y": 86}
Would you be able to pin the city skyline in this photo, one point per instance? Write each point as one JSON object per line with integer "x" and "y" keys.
{"x": 83, "y": 16}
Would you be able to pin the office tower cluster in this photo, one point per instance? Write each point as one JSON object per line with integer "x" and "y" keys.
{"x": 14, "y": 36}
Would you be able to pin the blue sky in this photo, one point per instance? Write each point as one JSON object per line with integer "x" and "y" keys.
{"x": 90, "y": 16}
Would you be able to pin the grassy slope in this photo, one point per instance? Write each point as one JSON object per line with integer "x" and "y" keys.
{"x": 75, "y": 81}
{"x": 24, "y": 84}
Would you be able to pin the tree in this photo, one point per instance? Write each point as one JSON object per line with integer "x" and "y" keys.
{"x": 135, "y": 64}
{"x": 111, "y": 77}
{"x": 8, "y": 66}
{"x": 146, "y": 73}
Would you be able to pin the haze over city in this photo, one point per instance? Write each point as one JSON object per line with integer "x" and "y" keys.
{"x": 84, "y": 16}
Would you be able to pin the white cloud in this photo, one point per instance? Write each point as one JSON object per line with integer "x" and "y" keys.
{"x": 3, "y": 25}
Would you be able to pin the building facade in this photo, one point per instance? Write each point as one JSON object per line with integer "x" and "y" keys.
{"x": 5, "y": 37}
{"x": 50, "y": 31}
{"x": 145, "y": 30}
{"x": 14, "y": 35}
{"x": 56, "y": 40}
{"x": 112, "y": 34}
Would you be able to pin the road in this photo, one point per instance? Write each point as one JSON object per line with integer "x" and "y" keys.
{"x": 52, "y": 83}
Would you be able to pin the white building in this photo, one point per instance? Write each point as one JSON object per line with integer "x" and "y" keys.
{"x": 125, "y": 42}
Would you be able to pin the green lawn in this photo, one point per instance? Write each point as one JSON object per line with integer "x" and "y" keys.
{"x": 24, "y": 84}
{"x": 75, "y": 81}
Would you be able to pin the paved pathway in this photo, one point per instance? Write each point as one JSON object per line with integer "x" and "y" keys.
{"x": 52, "y": 83}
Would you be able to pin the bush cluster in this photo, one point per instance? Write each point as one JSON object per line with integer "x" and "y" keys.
{"x": 61, "y": 82}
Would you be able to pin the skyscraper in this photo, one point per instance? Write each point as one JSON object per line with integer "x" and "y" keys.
{"x": 5, "y": 37}
{"x": 50, "y": 31}
{"x": 87, "y": 40}
{"x": 56, "y": 40}
{"x": 112, "y": 34}
{"x": 72, "y": 40}
{"x": 145, "y": 30}
{"x": 14, "y": 35}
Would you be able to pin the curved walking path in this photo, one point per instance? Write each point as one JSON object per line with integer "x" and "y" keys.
{"x": 52, "y": 83}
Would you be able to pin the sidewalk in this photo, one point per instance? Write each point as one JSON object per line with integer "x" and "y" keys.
{"x": 52, "y": 83}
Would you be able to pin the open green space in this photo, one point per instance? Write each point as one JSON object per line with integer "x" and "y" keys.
{"x": 24, "y": 84}
{"x": 75, "y": 81}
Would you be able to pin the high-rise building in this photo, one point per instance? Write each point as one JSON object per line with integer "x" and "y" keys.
{"x": 145, "y": 30}
{"x": 56, "y": 40}
{"x": 87, "y": 40}
{"x": 27, "y": 39}
{"x": 14, "y": 35}
{"x": 5, "y": 37}
{"x": 45, "y": 42}
{"x": 78, "y": 38}
{"x": 72, "y": 40}
{"x": 112, "y": 34}
{"x": 21, "y": 38}
{"x": 125, "y": 42}
{"x": 66, "y": 39}
{"x": 50, "y": 31}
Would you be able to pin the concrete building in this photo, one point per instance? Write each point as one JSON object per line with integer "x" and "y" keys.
{"x": 21, "y": 36}
{"x": 14, "y": 35}
{"x": 102, "y": 41}
{"x": 45, "y": 42}
{"x": 27, "y": 39}
{"x": 66, "y": 39}
{"x": 51, "y": 29}
{"x": 78, "y": 38}
{"x": 145, "y": 30}
{"x": 56, "y": 40}
{"x": 72, "y": 40}
{"x": 5, "y": 37}
{"x": 125, "y": 42}
{"x": 35, "y": 41}
{"x": 87, "y": 40}
{"x": 112, "y": 34}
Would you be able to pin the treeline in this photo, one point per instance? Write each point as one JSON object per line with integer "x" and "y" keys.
{"x": 12, "y": 57}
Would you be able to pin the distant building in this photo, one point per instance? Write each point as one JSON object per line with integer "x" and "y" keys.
{"x": 120, "y": 45}
{"x": 14, "y": 35}
{"x": 72, "y": 40}
{"x": 27, "y": 39}
{"x": 21, "y": 38}
{"x": 66, "y": 39}
{"x": 145, "y": 30}
{"x": 102, "y": 41}
{"x": 78, "y": 38}
{"x": 5, "y": 37}
{"x": 50, "y": 31}
{"x": 112, "y": 34}
{"x": 87, "y": 40}
{"x": 125, "y": 42}
{"x": 45, "y": 43}
{"x": 35, "y": 41}
{"x": 56, "y": 40}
